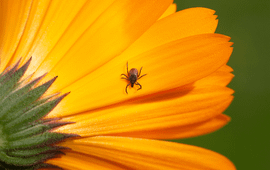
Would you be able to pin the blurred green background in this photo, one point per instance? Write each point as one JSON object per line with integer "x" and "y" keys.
{"x": 245, "y": 140}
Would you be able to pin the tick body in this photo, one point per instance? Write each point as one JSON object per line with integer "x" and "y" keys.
{"x": 132, "y": 76}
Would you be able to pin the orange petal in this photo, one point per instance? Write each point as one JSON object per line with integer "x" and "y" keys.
{"x": 221, "y": 77}
{"x": 179, "y": 132}
{"x": 129, "y": 118}
{"x": 149, "y": 154}
{"x": 182, "y": 24}
{"x": 185, "y": 107}
{"x": 169, "y": 11}
{"x": 84, "y": 19}
{"x": 118, "y": 27}
{"x": 47, "y": 22}
{"x": 179, "y": 25}
{"x": 14, "y": 15}
{"x": 169, "y": 66}
{"x": 73, "y": 160}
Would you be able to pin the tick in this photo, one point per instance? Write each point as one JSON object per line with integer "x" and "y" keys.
{"x": 132, "y": 76}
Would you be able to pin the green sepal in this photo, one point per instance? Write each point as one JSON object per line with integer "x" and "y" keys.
{"x": 18, "y": 161}
{"x": 30, "y": 125}
{"x": 44, "y": 165}
{"x": 27, "y": 140}
{"x": 36, "y": 129}
{"x": 14, "y": 98}
{"x": 34, "y": 151}
{"x": 20, "y": 112}
{"x": 10, "y": 79}
{"x": 34, "y": 114}
{"x": 5, "y": 166}
{"x": 10, "y": 82}
{"x": 43, "y": 139}
{"x": 19, "y": 102}
{"x": 8, "y": 72}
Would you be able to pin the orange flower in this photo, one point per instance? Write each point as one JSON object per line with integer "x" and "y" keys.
{"x": 87, "y": 45}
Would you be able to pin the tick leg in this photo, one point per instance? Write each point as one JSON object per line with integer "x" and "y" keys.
{"x": 141, "y": 76}
{"x": 127, "y": 68}
{"x": 139, "y": 85}
{"x": 126, "y": 77}
{"x": 127, "y": 87}
{"x": 140, "y": 72}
